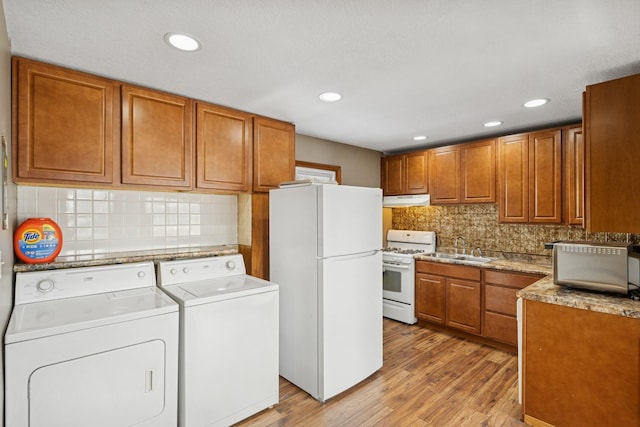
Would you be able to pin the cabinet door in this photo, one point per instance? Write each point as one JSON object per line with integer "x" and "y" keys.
{"x": 417, "y": 177}
{"x": 444, "y": 175}
{"x": 574, "y": 175}
{"x": 65, "y": 125}
{"x": 463, "y": 305}
{"x": 156, "y": 138}
{"x": 545, "y": 177}
{"x": 430, "y": 298}
{"x": 224, "y": 148}
{"x": 393, "y": 175}
{"x": 273, "y": 153}
{"x": 612, "y": 155}
{"x": 500, "y": 288}
{"x": 513, "y": 178}
{"x": 478, "y": 176}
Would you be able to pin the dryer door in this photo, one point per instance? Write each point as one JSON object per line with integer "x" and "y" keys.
{"x": 121, "y": 387}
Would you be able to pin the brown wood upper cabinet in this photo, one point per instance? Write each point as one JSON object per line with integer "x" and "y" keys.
{"x": 65, "y": 125}
{"x": 573, "y": 141}
{"x": 530, "y": 177}
{"x": 464, "y": 173}
{"x": 444, "y": 174}
{"x": 273, "y": 153}
{"x": 156, "y": 138}
{"x": 405, "y": 173}
{"x": 224, "y": 141}
{"x": 612, "y": 138}
{"x": 478, "y": 172}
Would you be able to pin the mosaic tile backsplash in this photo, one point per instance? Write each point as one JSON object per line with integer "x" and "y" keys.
{"x": 478, "y": 225}
{"x": 106, "y": 221}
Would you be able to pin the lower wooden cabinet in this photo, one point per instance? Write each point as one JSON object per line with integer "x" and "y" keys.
{"x": 580, "y": 367}
{"x": 463, "y": 305}
{"x": 500, "y": 289}
{"x": 430, "y": 297}
{"x": 449, "y": 294}
{"x": 475, "y": 300}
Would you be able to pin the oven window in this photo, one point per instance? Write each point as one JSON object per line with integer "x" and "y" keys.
{"x": 391, "y": 281}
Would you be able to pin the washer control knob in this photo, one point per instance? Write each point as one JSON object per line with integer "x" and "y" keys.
{"x": 186, "y": 270}
{"x": 173, "y": 271}
{"x": 230, "y": 265}
{"x": 45, "y": 286}
{"x": 141, "y": 274}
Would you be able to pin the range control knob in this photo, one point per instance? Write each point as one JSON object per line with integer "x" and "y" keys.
{"x": 141, "y": 274}
{"x": 230, "y": 265}
{"x": 173, "y": 271}
{"x": 45, "y": 286}
{"x": 186, "y": 270}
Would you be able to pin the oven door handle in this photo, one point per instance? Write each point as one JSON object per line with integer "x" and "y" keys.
{"x": 396, "y": 266}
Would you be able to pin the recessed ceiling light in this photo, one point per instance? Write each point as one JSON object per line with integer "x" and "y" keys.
{"x": 182, "y": 41}
{"x": 330, "y": 96}
{"x": 536, "y": 102}
{"x": 419, "y": 138}
{"x": 492, "y": 124}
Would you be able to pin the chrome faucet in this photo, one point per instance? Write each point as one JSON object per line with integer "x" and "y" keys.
{"x": 478, "y": 251}
{"x": 464, "y": 245}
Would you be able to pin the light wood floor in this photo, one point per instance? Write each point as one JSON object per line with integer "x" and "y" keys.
{"x": 429, "y": 378}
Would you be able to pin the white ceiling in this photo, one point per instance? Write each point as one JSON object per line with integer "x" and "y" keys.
{"x": 439, "y": 68}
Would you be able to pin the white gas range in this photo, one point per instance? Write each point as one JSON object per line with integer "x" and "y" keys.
{"x": 398, "y": 271}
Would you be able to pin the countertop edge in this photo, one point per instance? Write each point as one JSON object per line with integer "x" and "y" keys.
{"x": 544, "y": 290}
{"x": 498, "y": 264}
{"x": 73, "y": 261}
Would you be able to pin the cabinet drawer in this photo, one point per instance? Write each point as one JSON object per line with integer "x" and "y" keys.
{"x": 500, "y": 299}
{"x": 449, "y": 270}
{"x": 501, "y": 327}
{"x": 512, "y": 280}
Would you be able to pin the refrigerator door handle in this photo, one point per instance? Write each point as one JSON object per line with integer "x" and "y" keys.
{"x": 353, "y": 256}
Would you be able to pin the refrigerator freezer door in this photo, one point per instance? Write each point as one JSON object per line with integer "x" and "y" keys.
{"x": 350, "y": 337}
{"x": 350, "y": 221}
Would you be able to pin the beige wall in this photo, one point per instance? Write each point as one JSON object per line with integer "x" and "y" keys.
{"x": 359, "y": 166}
{"x": 6, "y": 236}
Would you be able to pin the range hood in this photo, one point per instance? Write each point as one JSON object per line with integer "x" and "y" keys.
{"x": 407, "y": 200}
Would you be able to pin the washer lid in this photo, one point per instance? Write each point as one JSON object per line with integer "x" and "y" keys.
{"x": 213, "y": 290}
{"x": 47, "y": 318}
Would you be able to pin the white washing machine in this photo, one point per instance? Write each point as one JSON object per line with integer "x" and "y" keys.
{"x": 228, "y": 339}
{"x": 91, "y": 346}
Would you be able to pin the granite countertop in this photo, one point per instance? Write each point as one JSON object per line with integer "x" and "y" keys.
{"x": 90, "y": 260}
{"x": 520, "y": 263}
{"x": 544, "y": 290}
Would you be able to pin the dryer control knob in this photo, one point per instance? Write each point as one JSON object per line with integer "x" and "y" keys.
{"x": 141, "y": 274}
{"x": 173, "y": 271}
{"x": 230, "y": 265}
{"x": 45, "y": 285}
{"x": 186, "y": 270}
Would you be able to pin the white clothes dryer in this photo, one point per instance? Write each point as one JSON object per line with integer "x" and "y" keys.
{"x": 91, "y": 346}
{"x": 228, "y": 339}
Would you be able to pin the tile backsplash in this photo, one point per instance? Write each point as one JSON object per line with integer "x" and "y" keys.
{"x": 101, "y": 221}
{"x": 478, "y": 225}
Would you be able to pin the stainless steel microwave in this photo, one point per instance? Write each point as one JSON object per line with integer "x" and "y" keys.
{"x": 604, "y": 267}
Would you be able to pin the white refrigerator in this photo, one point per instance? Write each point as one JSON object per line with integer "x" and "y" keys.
{"x": 326, "y": 256}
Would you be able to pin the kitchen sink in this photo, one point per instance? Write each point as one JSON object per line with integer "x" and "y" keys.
{"x": 467, "y": 258}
